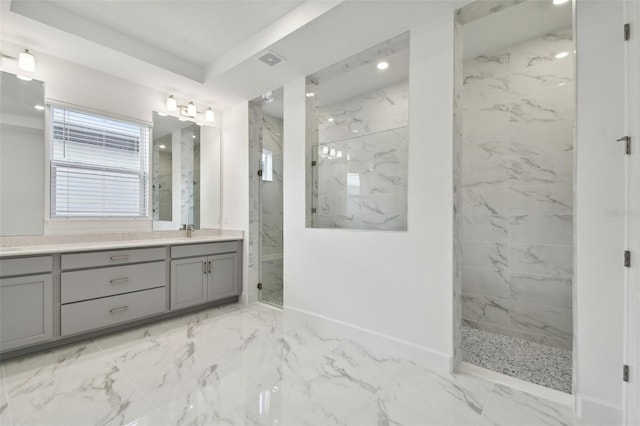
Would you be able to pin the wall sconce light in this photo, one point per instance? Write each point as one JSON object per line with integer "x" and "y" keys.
{"x": 191, "y": 109}
{"x": 172, "y": 104}
{"x": 26, "y": 61}
{"x": 189, "y": 112}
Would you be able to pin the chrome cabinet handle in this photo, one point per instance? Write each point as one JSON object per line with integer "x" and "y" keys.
{"x": 209, "y": 266}
{"x": 120, "y": 309}
{"x": 204, "y": 268}
{"x": 120, "y": 257}
{"x": 119, "y": 280}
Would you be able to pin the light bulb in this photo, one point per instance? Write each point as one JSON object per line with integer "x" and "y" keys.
{"x": 209, "y": 115}
{"x": 339, "y": 155}
{"x": 161, "y": 146}
{"x": 310, "y": 94}
{"x": 559, "y": 2}
{"x": 172, "y": 104}
{"x": 325, "y": 150}
{"x": 39, "y": 107}
{"x": 562, "y": 55}
{"x": 191, "y": 109}
{"x": 26, "y": 61}
{"x": 330, "y": 119}
{"x": 382, "y": 65}
{"x": 332, "y": 152}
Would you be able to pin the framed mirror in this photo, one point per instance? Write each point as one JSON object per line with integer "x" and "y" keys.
{"x": 22, "y": 151}
{"x": 185, "y": 174}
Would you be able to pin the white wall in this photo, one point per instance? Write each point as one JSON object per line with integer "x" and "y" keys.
{"x": 396, "y": 284}
{"x": 599, "y": 188}
{"x": 235, "y": 183}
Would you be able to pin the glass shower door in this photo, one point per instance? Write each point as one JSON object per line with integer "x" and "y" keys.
{"x": 270, "y": 204}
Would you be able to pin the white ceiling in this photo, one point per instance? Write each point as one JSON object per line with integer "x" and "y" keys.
{"x": 195, "y": 32}
{"x": 206, "y": 50}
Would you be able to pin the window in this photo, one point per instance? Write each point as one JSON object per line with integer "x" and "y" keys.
{"x": 267, "y": 165}
{"x": 99, "y": 166}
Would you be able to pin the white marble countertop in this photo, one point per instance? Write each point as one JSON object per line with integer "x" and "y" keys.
{"x": 28, "y": 250}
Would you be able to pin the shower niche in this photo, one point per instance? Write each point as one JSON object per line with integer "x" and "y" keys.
{"x": 514, "y": 164}
{"x": 357, "y": 136}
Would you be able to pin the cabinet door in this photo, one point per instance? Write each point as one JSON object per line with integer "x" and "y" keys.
{"x": 188, "y": 282}
{"x": 26, "y": 310}
{"x": 222, "y": 277}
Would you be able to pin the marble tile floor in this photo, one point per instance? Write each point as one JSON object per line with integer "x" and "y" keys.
{"x": 250, "y": 365}
{"x": 540, "y": 364}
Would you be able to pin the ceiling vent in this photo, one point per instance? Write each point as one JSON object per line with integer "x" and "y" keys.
{"x": 270, "y": 58}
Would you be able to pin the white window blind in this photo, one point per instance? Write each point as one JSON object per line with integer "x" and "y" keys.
{"x": 99, "y": 166}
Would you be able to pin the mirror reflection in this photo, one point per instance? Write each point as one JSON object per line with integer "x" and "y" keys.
{"x": 176, "y": 173}
{"x": 21, "y": 156}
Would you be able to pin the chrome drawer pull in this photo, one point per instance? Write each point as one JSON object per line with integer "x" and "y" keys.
{"x": 121, "y": 309}
{"x": 119, "y": 280}
{"x": 209, "y": 266}
{"x": 121, "y": 257}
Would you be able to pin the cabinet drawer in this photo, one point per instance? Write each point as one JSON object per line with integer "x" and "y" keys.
{"x": 92, "y": 314}
{"x": 193, "y": 250}
{"x": 111, "y": 257}
{"x": 93, "y": 283}
{"x": 26, "y": 265}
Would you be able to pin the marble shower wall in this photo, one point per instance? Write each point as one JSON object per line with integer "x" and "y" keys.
{"x": 360, "y": 179}
{"x": 516, "y": 215}
{"x": 271, "y": 195}
{"x": 457, "y": 155}
{"x": 255, "y": 158}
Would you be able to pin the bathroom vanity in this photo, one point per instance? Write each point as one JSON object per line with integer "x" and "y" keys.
{"x": 56, "y": 294}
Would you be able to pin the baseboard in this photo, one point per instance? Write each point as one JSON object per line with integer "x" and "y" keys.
{"x": 518, "y": 384}
{"x": 595, "y": 411}
{"x": 386, "y": 344}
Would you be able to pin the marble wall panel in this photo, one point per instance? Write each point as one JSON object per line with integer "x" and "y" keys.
{"x": 516, "y": 210}
{"x": 360, "y": 178}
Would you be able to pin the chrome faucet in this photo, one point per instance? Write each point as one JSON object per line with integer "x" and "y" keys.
{"x": 189, "y": 228}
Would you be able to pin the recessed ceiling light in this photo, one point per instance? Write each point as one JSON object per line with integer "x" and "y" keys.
{"x": 382, "y": 65}
{"x": 194, "y": 136}
{"x": 562, "y": 55}
{"x": 354, "y": 131}
{"x": 310, "y": 94}
{"x": 564, "y": 83}
{"x": 24, "y": 77}
{"x": 559, "y": 2}
{"x": 330, "y": 119}
{"x": 39, "y": 107}
{"x": 161, "y": 146}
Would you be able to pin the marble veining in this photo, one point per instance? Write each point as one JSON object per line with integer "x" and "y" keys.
{"x": 250, "y": 365}
{"x": 515, "y": 217}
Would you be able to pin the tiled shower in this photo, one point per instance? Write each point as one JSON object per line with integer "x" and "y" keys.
{"x": 515, "y": 215}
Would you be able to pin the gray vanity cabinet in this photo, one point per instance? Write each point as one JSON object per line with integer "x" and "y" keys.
{"x": 188, "y": 282}
{"x": 26, "y": 302}
{"x": 204, "y": 278}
